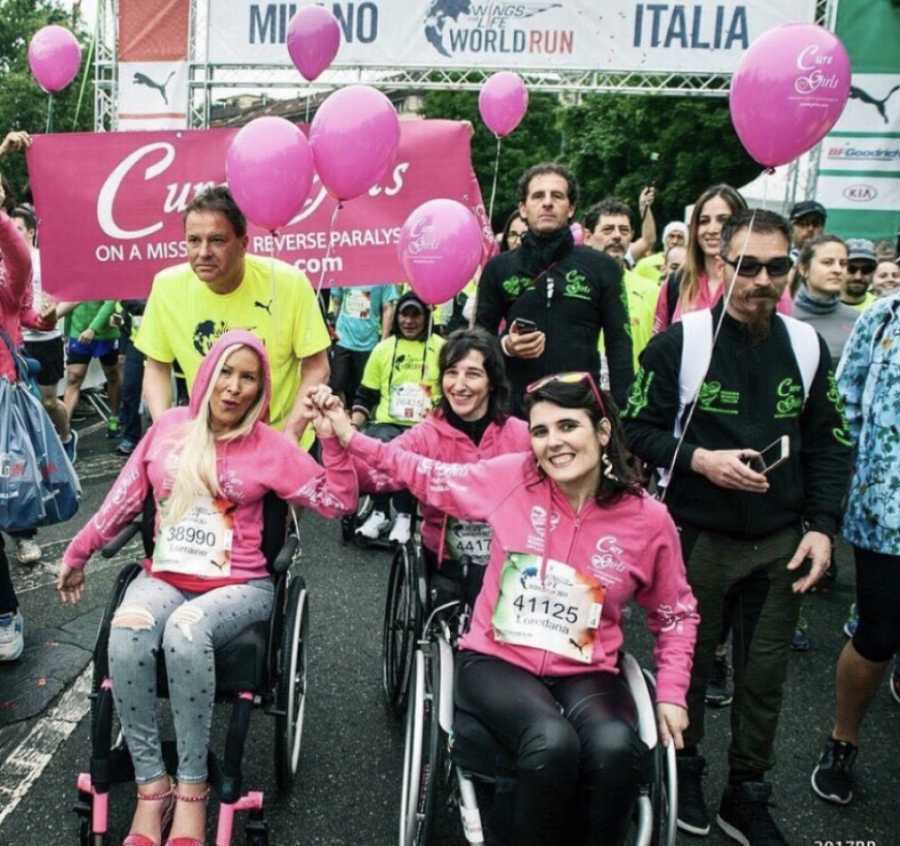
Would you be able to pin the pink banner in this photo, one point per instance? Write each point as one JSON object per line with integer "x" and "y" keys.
{"x": 110, "y": 207}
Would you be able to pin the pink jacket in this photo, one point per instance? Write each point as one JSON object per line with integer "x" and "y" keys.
{"x": 15, "y": 289}
{"x": 631, "y": 547}
{"x": 704, "y": 300}
{"x": 263, "y": 460}
{"x": 434, "y": 437}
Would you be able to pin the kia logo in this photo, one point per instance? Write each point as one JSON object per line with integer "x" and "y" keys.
{"x": 860, "y": 193}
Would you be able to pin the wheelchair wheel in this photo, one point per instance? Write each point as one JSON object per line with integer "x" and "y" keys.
{"x": 423, "y": 752}
{"x": 402, "y": 620}
{"x": 663, "y": 788}
{"x": 290, "y": 696}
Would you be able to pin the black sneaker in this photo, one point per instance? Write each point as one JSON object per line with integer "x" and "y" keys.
{"x": 719, "y": 692}
{"x": 744, "y": 815}
{"x": 692, "y": 814}
{"x": 832, "y": 779}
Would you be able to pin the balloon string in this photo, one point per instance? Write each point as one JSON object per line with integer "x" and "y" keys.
{"x": 273, "y": 253}
{"x": 49, "y": 113}
{"x": 334, "y": 215}
{"x": 494, "y": 186}
{"x": 726, "y": 297}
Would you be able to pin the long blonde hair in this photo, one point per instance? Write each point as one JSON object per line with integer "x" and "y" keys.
{"x": 695, "y": 263}
{"x": 192, "y": 460}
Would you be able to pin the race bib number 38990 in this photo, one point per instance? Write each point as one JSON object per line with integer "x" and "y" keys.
{"x": 559, "y": 612}
{"x": 199, "y": 544}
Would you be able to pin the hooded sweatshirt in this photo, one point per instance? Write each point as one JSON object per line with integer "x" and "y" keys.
{"x": 436, "y": 438}
{"x": 624, "y": 549}
{"x": 15, "y": 289}
{"x": 248, "y": 468}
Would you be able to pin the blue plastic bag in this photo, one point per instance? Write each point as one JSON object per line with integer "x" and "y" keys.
{"x": 21, "y": 494}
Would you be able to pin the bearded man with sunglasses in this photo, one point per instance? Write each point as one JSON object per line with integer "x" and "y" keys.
{"x": 746, "y": 527}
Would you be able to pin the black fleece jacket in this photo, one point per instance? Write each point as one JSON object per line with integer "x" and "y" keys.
{"x": 571, "y": 293}
{"x": 752, "y": 395}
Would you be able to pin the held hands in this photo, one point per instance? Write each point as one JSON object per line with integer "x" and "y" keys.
{"x": 727, "y": 468}
{"x": 524, "y": 344}
{"x": 817, "y": 547}
{"x": 16, "y": 140}
{"x": 70, "y": 584}
{"x": 328, "y": 414}
{"x": 672, "y": 721}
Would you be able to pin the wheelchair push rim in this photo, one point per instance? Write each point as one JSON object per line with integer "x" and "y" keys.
{"x": 399, "y": 632}
{"x": 292, "y": 685}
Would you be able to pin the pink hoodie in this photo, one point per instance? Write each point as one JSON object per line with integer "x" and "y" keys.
{"x": 261, "y": 461}
{"x": 630, "y": 547}
{"x": 434, "y": 437}
{"x": 15, "y": 289}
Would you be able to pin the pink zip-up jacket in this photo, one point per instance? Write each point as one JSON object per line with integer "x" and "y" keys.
{"x": 630, "y": 546}
{"x": 248, "y": 468}
{"x": 15, "y": 289}
{"x": 434, "y": 437}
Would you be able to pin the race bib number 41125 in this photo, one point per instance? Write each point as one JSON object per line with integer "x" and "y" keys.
{"x": 559, "y": 612}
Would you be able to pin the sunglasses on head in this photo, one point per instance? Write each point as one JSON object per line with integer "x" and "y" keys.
{"x": 750, "y": 267}
{"x": 572, "y": 378}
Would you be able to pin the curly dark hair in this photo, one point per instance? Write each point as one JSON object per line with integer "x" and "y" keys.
{"x": 459, "y": 344}
{"x": 625, "y": 466}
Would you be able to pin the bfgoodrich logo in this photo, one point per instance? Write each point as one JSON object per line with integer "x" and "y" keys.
{"x": 860, "y": 193}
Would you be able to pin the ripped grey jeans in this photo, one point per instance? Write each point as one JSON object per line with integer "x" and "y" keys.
{"x": 155, "y": 615}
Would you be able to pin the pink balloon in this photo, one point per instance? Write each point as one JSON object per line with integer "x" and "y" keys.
{"x": 440, "y": 248}
{"x": 577, "y": 232}
{"x": 269, "y": 168}
{"x": 54, "y": 56}
{"x": 313, "y": 38}
{"x": 789, "y": 90}
{"x": 503, "y": 101}
{"x": 354, "y": 138}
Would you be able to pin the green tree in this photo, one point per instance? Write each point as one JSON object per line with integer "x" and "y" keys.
{"x": 23, "y": 104}
{"x": 618, "y": 144}
{"x": 537, "y": 138}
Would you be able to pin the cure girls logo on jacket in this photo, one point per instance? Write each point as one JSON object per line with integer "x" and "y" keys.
{"x": 607, "y": 562}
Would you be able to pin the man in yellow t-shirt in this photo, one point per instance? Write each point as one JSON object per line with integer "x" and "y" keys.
{"x": 220, "y": 288}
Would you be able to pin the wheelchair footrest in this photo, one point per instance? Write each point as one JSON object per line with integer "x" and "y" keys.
{"x": 252, "y": 801}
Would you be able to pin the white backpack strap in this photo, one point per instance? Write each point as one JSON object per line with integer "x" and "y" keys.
{"x": 805, "y": 344}
{"x": 696, "y": 354}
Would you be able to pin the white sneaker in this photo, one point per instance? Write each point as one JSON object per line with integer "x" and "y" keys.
{"x": 27, "y": 551}
{"x": 402, "y": 530}
{"x": 12, "y": 640}
{"x": 374, "y": 525}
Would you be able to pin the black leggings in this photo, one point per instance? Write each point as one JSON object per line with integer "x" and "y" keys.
{"x": 404, "y": 502}
{"x": 575, "y": 743}
{"x": 877, "y": 636}
{"x": 8, "y": 601}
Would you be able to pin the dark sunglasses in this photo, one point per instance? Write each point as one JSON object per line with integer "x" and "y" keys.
{"x": 571, "y": 378}
{"x": 866, "y": 268}
{"x": 750, "y": 267}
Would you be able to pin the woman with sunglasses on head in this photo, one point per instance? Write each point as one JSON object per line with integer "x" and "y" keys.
{"x": 698, "y": 285}
{"x": 574, "y": 538}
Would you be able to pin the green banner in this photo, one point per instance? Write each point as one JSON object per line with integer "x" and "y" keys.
{"x": 859, "y": 169}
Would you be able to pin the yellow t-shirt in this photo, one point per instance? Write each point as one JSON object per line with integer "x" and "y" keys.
{"x": 642, "y": 295}
{"x": 394, "y": 369}
{"x": 274, "y": 301}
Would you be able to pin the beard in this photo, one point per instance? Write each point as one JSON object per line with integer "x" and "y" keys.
{"x": 760, "y": 306}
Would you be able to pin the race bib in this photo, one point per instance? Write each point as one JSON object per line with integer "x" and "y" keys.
{"x": 199, "y": 544}
{"x": 357, "y": 303}
{"x": 409, "y": 402}
{"x": 560, "y": 614}
{"x": 471, "y": 541}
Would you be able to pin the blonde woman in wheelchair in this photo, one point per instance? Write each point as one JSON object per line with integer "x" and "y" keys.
{"x": 208, "y": 467}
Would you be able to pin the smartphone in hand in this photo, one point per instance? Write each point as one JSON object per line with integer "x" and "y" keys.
{"x": 523, "y": 326}
{"x": 774, "y": 455}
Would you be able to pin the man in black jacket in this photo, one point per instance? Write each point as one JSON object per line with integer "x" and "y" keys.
{"x": 745, "y": 531}
{"x": 566, "y": 294}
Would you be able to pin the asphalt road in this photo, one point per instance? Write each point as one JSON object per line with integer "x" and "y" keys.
{"x": 349, "y": 788}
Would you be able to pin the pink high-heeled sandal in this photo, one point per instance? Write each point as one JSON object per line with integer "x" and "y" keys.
{"x": 167, "y": 796}
{"x": 187, "y": 841}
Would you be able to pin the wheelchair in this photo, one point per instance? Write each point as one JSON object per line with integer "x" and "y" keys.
{"x": 451, "y": 762}
{"x": 265, "y": 666}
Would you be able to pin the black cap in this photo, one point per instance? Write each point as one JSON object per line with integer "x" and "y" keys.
{"x": 808, "y": 207}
